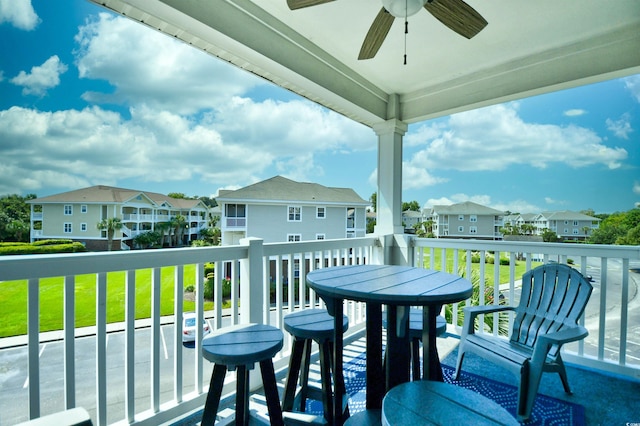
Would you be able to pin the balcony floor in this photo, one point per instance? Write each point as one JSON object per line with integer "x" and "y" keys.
{"x": 608, "y": 399}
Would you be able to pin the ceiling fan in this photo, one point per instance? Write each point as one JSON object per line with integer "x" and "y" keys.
{"x": 455, "y": 14}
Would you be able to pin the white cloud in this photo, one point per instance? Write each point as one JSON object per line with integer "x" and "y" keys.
{"x": 147, "y": 67}
{"x": 636, "y": 187}
{"x": 621, "y": 128}
{"x": 188, "y": 122}
{"x": 632, "y": 84}
{"x": 19, "y": 13}
{"x": 41, "y": 78}
{"x": 495, "y": 138}
{"x": 574, "y": 112}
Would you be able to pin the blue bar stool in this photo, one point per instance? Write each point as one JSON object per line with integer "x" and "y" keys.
{"x": 415, "y": 334}
{"x": 307, "y": 326}
{"x": 239, "y": 348}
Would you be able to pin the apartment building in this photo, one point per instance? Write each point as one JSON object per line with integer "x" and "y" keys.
{"x": 568, "y": 225}
{"x": 279, "y": 209}
{"x": 75, "y": 215}
{"x": 467, "y": 220}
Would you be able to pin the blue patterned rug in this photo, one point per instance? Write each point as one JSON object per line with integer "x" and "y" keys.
{"x": 547, "y": 411}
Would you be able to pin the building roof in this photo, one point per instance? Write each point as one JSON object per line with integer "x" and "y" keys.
{"x": 112, "y": 195}
{"x": 567, "y": 215}
{"x": 411, "y": 213}
{"x": 467, "y": 207}
{"x": 278, "y": 189}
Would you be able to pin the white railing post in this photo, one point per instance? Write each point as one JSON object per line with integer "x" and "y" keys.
{"x": 252, "y": 298}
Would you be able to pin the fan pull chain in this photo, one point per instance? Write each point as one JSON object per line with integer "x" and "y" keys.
{"x": 406, "y": 31}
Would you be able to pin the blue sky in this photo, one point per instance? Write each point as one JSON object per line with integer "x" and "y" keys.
{"x": 89, "y": 98}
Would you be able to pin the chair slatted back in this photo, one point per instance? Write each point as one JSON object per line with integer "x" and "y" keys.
{"x": 553, "y": 296}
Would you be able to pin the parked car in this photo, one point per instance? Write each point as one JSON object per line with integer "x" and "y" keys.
{"x": 189, "y": 327}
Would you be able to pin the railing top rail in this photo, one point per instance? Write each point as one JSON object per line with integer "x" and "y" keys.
{"x": 591, "y": 250}
{"x": 272, "y": 249}
{"x": 54, "y": 265}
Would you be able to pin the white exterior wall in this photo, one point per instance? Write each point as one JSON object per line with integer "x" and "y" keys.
{"x": 53, "y": 220}
{"x": 271, "y": 223}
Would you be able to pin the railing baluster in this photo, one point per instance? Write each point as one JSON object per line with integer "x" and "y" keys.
{"x": 156, "y": 282}
{"x": 69, "y": 342}
{"x": 217, "y": 294}
{"x": 198, "y": 364}
{"x": 178, "y": 286}
{"x": 33, "y": 345}
{"x": 129, "y": 348}
{"x": 603, "y": 308}
{"x": 624, "y": 312}
{"x": 101, "y": 348}
{"x": 234, "y": 292}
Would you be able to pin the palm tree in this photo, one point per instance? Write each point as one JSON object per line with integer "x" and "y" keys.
{"x": 162, "y": 228}
{"x": 179, "y": 224}
{"x": 111, "y": 225}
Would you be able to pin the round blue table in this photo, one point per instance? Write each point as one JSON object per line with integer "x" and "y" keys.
{"x": 398, "y": 288}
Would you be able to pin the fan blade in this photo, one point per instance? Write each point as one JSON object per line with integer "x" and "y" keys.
{"x": 376, "y": 35}
{"x": 299, "y": 4}
{"x": 457, "y": 15}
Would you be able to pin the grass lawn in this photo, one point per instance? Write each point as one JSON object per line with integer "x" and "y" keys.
{"x": 520, "y": 266}
{"x": 13, "y": 299}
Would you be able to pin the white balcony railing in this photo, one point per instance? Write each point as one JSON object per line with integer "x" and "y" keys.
{"x": 258, "y": 272}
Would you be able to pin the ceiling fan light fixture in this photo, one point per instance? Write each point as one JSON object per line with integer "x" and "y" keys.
{"x": 403, "y": 8}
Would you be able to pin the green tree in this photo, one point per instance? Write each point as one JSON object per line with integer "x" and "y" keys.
{"x": 14, "y": 208}
{"x": 411, "y": 205}
{"x": 549, "y": 236}
{"x": 148, "y": 239}
{"x": 632, "y": 238}
{"x": 374, "y": 201}
{"x": 111, "y": 225}
{"x": 20, "y": 230}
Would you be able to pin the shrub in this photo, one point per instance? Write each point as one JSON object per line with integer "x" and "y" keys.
{"x": 209, "y": 269}
{"x": 51, "y": 242}
{"x": 504, "y": 261}
{"x": 43, "y": 249}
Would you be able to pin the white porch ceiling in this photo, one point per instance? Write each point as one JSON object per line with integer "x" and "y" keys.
{"x": 528, "y": 48}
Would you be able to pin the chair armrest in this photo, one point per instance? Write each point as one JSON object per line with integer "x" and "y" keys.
{"x": 471, "y": 312}
{"x": 545, "y": 341}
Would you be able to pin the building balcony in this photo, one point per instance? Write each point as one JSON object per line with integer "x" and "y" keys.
{"x": 138, "y": 371}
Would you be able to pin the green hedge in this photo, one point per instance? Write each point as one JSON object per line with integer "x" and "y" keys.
{"x": 51, "y": 242}
{"x": 42, "y": 249}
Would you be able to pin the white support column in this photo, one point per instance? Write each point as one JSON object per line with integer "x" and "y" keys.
{"x": 389, "y": 199}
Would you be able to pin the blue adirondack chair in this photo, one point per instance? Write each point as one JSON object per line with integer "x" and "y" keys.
{"x": 553, "y": 297}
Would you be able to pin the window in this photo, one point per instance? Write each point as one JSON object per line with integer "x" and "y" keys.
{"x": 67, "y": 228}
{"x": 460, "y": 217}
{"x": 68, "y": 209}
{"x": 295, "y": 213}
{"x": 320, "y": 236}
{"x": 575, "y": 223}
{"x": 293, "y": 237}
{"x": 473, "y": 218}
{"x": 83, "y": 227}
{"x": 320, "y": 213}
{"x": 83, "y": 208}
{"x": 460, "y": 228}
{"x": 473, "y": 229}
{"x": 566, "y": 231}
{"x": 236, "y": 214}
{"x": 576, "y": 231}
